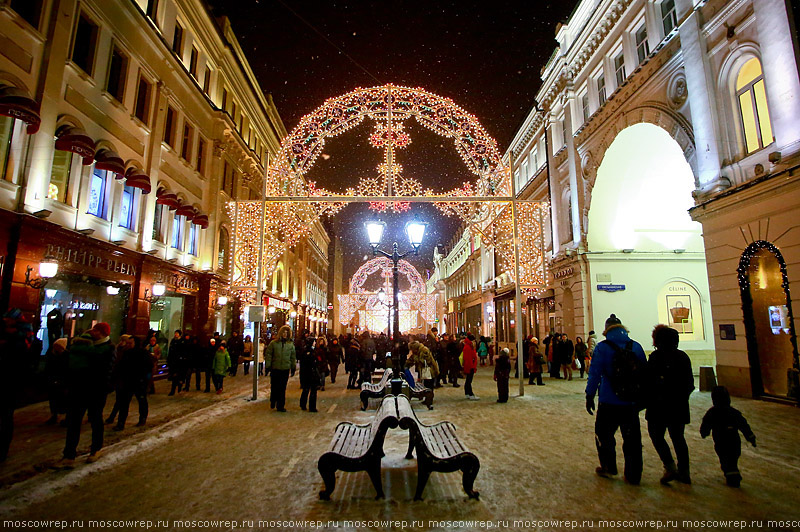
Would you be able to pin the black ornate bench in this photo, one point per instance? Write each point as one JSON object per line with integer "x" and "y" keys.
{"x": 358, "y": 448}
{"x": 438, "y": 449}
{"x": 375, "y": 391}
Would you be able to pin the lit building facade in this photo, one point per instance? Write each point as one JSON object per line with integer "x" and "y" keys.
{"x": 665, "y": 137}
{"x": 126, "y": 126}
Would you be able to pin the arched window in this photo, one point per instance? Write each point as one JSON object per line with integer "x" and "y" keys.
{"x": 222, "y": 251}
{"x": 291, "y": 284}
{"x": 753, "y": 110}
{"x": 279, "y": 282}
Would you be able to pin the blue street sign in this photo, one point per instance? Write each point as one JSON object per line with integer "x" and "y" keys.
{"x": 611, "y": 287}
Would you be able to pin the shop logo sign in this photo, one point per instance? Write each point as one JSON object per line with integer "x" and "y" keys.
{"x": 90, "y": 260}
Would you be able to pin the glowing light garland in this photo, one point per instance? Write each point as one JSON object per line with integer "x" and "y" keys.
{"x": 372, "y": 312}
{"x": 532, "y": 267}
{"x": 389, "y": 106}
{"x": 285, "y": 224}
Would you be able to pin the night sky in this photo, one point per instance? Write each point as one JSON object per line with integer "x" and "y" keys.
{"x": 486, "y": 56}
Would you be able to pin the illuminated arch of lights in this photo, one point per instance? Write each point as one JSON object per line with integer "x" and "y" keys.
{"x": 390, "y": 107}
{"x": 373, "y": 314}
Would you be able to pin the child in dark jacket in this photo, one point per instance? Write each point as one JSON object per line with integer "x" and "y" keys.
{"x": 502, "y": 371}
{"x": 724, "y": 422}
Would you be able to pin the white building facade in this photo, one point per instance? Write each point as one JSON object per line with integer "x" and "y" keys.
{"x": 665, "y": 137}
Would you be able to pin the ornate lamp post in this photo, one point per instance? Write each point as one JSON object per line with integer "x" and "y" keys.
{"x": 415, "y": 229}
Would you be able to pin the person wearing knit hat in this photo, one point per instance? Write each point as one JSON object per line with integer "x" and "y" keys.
{"x": 611, "y": 322}
{"x": 89, "y": 366}
{"x": 618, "y": 368}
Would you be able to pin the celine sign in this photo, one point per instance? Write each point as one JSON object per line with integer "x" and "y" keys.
{"x": 611, "y": 287}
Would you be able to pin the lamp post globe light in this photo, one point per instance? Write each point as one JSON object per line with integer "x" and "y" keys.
{"x": 415, "y": 230}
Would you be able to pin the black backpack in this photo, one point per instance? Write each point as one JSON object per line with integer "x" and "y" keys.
{"x": 627, "y": 373}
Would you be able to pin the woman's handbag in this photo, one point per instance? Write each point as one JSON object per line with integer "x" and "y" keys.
{"x": 425, "y": 372}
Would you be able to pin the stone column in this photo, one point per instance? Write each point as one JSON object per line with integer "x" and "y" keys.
{"x": 548, "y": 131}
{"x": 572, "y": 166}
{"x": 50, "y": 94}
{"x": 780, "y": 67}
{"x": 701, "y": 98}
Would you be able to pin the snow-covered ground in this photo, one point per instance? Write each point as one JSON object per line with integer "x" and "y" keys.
{"x": 240, "y": 461}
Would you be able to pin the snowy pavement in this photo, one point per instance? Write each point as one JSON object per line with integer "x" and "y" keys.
{"x": 240, "y": 462}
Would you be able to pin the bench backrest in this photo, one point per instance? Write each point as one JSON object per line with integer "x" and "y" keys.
{"x": 385, "y": 419}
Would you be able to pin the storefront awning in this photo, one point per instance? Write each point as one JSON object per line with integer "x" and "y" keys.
{"x": 138, "y": 179}
{"x": 187, "y": 210}
{"x": 109, "y": 160}
{"x": 165, "y": 197}
{"x": 76, "y": 140}
{"x": 14, "y": 102}
{"x": 201, "y": 220}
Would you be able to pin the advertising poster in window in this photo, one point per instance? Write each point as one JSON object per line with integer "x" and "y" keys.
{"x": 679, "y": 307}
{"x": 680, "y": 313}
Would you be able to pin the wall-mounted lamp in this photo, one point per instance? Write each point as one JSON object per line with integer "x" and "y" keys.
{"x": 48, "y": 269}
{"x": 221, "y": 302}
{"x": 158, "y": 291}
{"x": 271, "y": 309}
{"x": 293, "y": 314}
{"x": 112, "y": 290}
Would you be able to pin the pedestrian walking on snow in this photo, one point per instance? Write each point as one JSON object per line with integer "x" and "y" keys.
{"x": 470, "y": 366}
{"x": 724, "y": 423}
{"x": 220, "y": 366}
{"x": 310, "y": 379}
{"x": 619, "y": 373}
{"x": 280, "y": 360}
{"x": 669, "y": 384}
{"x": 502, "y": 372}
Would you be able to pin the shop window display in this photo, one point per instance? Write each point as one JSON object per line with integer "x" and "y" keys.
{"x": 97, "y": 194}
{"x": 6, "y": 131}
{"x": 126, "y": 212}
{"x": 73, "y": 304}
{"x": 166, "y": 315}
{"x": 60, "y": 177}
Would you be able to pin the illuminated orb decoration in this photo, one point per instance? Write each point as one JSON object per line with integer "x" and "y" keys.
{"x": 389, "y": 106}
{"x": 373, "y": 314}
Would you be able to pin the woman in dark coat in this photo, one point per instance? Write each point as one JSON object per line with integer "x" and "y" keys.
{"x": 535, "y": 362}
{"x": 321, "y": 356}
{"x": 309, "y": 376}
{"x": 352, "y": 358}
{"x": 669, "y": 384}
{"x": 580, "y": 354}
{"x": 334, "y": 358}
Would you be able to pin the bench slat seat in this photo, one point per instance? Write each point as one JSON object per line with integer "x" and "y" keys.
{"x": 438, "y": 449}
{"x": 375, "y": 391}
{"x": 358, "y": 448}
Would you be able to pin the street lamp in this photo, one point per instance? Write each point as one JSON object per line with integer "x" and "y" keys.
{"x": 158, "y": 291}
{"x": 48, "y": 268}
{"x": 415, "y": 229}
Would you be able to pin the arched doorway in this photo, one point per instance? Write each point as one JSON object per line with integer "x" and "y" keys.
{"x": 769, "y": 324}
{"x": 641, "y": 239}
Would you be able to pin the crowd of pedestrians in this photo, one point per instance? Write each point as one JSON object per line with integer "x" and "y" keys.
{"x": 82, "y": 373}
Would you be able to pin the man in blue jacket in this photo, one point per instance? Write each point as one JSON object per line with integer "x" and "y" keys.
{"x": 614, "y": 412}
